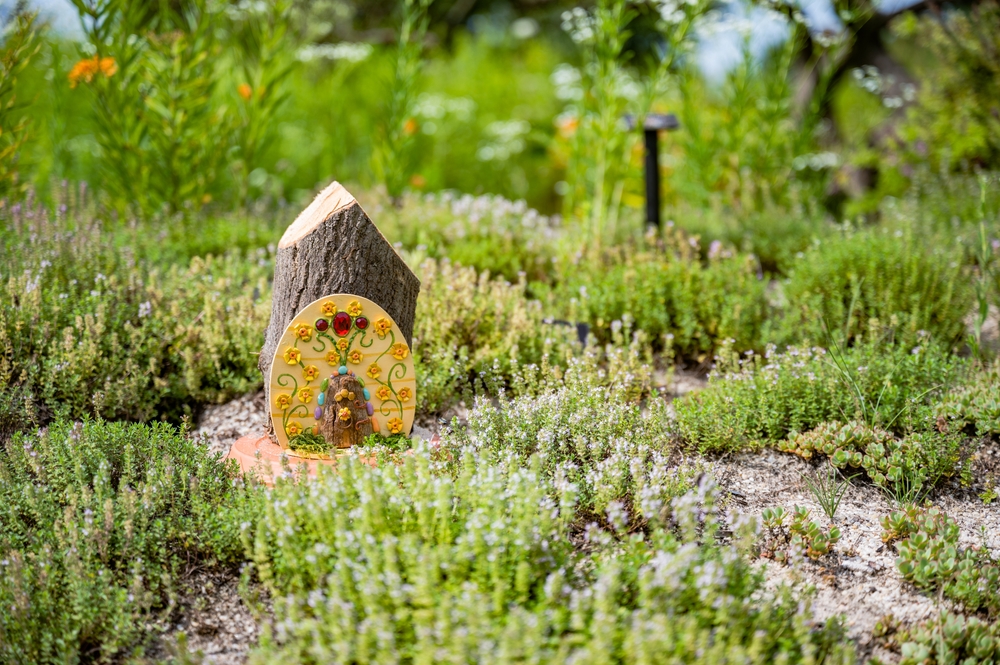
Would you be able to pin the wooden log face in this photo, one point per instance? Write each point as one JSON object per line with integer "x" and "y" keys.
{"x": 337, "y": 346}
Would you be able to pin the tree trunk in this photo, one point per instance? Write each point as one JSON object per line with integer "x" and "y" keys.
{"x": 333, "y": 247}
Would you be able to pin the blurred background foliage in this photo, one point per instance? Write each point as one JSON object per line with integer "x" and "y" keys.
{"x": 184, "y": 104}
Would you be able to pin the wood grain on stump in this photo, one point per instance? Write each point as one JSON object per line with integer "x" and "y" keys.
{"x": 334, "y": 247}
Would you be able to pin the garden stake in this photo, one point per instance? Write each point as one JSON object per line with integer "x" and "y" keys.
{"x": 653, "y": 124}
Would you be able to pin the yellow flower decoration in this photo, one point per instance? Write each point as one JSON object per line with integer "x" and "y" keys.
{"x": 293, "y": 429}
{"x": 292, "y": 355}
{"x": 305, "y": 395}
{"x": 303, "y": 331}
{"x": 354, "y": 308}
{"x": 283, "y": 401}
{"x": 382, "y": 326}
{"x": 310, "y": 373}
{"x": 395, "y": 425}
{"x": 374, "y": 370}
{"x": 342, "y": 344}
{"x": 399, "y": 351}
{"x": 355, "y": 357}
{"x": 329, "y": 308}
{"x": 383, "y": 393}
{"x": 344, "y": 414}
{"x": 405, "y": 394}
{"x": 333, "y": 358}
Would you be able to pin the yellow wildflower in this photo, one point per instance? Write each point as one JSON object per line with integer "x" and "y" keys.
{"x": 305, "y": 395}
{"x": 329, "y": 308}
{"x": 355, "y": 357}
{"x": 293, "y": 429}
{"x": 354, "y": 308}
{"x": 405, "y": 394}
{"x": 399, "y": 351}
{"x": 333, "y": 358}
{"x": 283, "y": 401}
{"x": 310, "y": 373}
{"x": 342, "y": 344}
{"x": 374, "y": 370}
{"x": 395, "y": 425}
{"x": 382, "y": 326}
{"x": 292, "y": 355}
{"x": 383, "y": 393}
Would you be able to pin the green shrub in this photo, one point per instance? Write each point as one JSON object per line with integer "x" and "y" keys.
{"x": 97, "y": 522}
{"x": 905, "y": 466}
{"x": 843, "y": 283}
{"x": 588, "y": 429}
{"x": 975, "y": 404}
{"x": 467, "y": 324}
{"x": 90, "y": 328}
{"x": 757, "y": 399}
{"x": 402, "y": 562}
{"x": 674, "y": 296}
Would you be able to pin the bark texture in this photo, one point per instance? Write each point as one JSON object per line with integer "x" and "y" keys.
{"x": 338, "y": 251}
{"x": 345, "y": 422}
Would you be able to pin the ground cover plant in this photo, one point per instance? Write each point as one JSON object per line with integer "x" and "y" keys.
{"x": 829, "y": 255}
{"x": 99, "y": 523}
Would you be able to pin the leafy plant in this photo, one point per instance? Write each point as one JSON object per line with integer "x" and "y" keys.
{"x": 801, "y": 536}
{"x": 952, "y": 638}
{"x": 828, "y": 490}
{"x": 97, "y": 525}
{"x": 17, "y": 47}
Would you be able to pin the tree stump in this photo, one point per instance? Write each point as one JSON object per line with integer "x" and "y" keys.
{"x": 334, "y": 247}
{"x": 346, "y": 422}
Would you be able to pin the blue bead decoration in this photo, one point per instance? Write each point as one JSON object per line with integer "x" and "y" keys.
{"x": 321, "y": 398}
{"x": 343, "y": 369}
{"x": 368, "y": 395}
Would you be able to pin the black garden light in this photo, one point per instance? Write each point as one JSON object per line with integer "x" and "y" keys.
{"x": 652, "y": 125}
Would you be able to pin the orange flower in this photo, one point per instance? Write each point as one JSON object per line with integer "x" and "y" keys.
{"x": 329, "y": 308}
{"x": 395, "y": 425}
{"x": 418, "y": 181}
{"x": 374, "y": 370}
{"x": 410, "y": 127}
{"x": 88, "y": 68}
{"x": 567, "y": 125}
{"x": 405, "y": 394}
{"x": 399, "y": 351}
{"x": 310, "y": 373}
{"x": 383, "y": 393}
{"x": 244, "y": 91}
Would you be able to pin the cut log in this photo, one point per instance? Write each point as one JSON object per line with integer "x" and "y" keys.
{"x": 334, "y": 247}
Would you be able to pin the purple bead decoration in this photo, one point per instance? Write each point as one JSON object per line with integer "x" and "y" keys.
{"x": 371, "y": 409}
{"x": 318, "y": 413}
